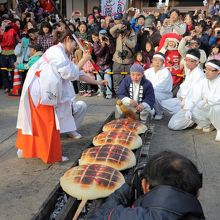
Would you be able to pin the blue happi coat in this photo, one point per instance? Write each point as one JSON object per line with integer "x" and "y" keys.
{"x": 146, "y": 91}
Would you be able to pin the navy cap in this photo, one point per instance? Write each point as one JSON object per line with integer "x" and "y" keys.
{"x": 118, "y": 16}
{"x": 137, "y": 68}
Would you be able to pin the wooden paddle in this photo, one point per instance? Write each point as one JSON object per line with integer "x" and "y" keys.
{"x": 79, "y": 210}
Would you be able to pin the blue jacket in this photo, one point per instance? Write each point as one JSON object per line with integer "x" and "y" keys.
{"x": 161, "y": 203}
{"x": 148, "y": 91}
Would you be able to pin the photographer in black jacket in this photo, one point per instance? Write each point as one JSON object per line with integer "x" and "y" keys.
{"x": 170, "y": 184}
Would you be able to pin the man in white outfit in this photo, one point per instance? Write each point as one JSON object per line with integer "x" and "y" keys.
{"x": 205, "y": 101}
{"x": 179, "y": 106}
{"x": 161, "y": 79}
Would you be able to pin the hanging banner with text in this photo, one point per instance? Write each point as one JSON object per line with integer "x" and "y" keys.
{"x": 112, "y": 7}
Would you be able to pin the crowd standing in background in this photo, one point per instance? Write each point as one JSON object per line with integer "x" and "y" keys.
{"x": 177, "y": 52}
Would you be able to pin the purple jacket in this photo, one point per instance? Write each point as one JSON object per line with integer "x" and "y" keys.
{"x": 104, "y": 55}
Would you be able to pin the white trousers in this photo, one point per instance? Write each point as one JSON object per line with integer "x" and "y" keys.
{"x": 205, "y": 117}
{"x": 179, "y": 122}
{"x": 79, "y": 112}
{"x": 159, "y": 98}
{"x": 172, "y": 105}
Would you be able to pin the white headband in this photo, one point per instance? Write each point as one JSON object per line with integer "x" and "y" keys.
{"x": 192, "y": 56}
{"x": 213, "y": 65}
{"x": 159, "y": 56}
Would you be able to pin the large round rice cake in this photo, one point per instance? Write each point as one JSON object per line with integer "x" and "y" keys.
{"x": 92, "y": 181}
{"x": 125, "y": 124}
{"x": 127, "y": 139}
{"x": 116, "y": 156}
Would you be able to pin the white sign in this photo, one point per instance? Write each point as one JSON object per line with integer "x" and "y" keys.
{"x": 112, "y": 7}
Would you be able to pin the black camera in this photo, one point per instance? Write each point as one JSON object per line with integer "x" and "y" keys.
{"x": 104, "y": 38}
{"x": 218, "y": 32}
{"x": 122, "y": 31}
{"x": 123, "y": 54}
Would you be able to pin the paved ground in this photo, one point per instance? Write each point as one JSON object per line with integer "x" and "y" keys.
{"x": 25, "y": 184}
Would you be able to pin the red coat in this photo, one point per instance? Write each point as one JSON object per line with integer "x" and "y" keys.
{"x": 9, "y": 38}
{"x": 46, "y": 5}
{"x": 172, "y": 63}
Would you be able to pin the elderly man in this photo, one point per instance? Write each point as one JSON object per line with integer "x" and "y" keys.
{"x": 170, "y": 184}
{"x": 179, "y": 106}
{"x": 137, "y": 93}
{"x": 204, "y": 106}
{"x": 161, "y": 79}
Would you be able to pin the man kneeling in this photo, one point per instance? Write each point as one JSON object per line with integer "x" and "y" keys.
{"x": 137, "y": 93}
{"x": 205, "y": 102}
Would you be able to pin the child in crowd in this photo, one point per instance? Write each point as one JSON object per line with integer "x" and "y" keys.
{"x": 144, "y": 61}
{"x": 86, "y": 89}
{"x": 215, "y": 52}
{"x": 45, "y": 38}
{"x": 169, "y": 46}
{"x": 150, "y": 50}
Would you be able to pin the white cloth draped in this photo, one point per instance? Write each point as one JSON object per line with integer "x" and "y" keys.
{"x": 68, "y": 71}
{"x": 162, "y": 83}
{"x": 175, "y": 104}
{"x": 209, "y": 91}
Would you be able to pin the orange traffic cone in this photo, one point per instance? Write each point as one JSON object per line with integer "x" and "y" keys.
{"x": 16, "y": 91}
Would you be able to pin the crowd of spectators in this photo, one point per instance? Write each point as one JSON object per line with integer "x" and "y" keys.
{"x": 115, "y": 42}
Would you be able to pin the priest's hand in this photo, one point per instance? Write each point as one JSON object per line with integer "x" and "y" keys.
{"x": 203, "y": 105}
{"x": 188, "y": 115}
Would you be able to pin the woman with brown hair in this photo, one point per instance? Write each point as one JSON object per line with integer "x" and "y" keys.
{"x": 47, "y": 107}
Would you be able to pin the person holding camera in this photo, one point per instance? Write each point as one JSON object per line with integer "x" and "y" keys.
{"x": 137, "y": 22}
{"x": 189, "y": 42}
{"x": 173, "y": 24}
{"x": 170, "y": 185}
{"x": 103, "y": 49}
{"x": 123, "y": 57}
{"x": 148, "y": 33}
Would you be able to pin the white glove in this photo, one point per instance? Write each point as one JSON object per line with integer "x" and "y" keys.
{"x": 188, "y": 115}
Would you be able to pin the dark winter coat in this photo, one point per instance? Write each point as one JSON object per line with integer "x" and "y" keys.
{"x": 161, "y": 203}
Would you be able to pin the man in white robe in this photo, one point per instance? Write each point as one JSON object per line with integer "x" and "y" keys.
{"x": 162, "y": 82}
{"x": 178, "y": 106}
{"x": 204, "y": 106}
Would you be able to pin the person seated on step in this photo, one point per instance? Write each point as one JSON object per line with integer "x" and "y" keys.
{"x": 137, "y": 93}
{"x": 161, "y": 79}
{"x": 205, "y": 102}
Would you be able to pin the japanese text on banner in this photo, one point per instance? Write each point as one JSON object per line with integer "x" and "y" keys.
{"x": 111, "y": 7}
